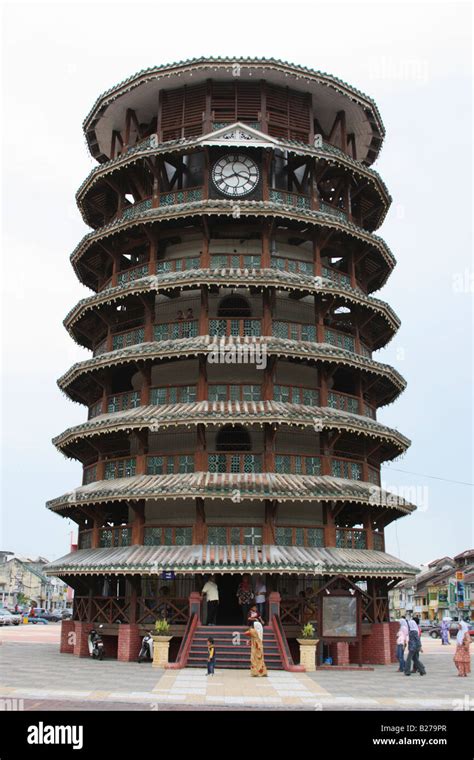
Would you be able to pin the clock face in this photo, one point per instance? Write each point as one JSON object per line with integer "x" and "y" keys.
{"x": 235, "y": 174}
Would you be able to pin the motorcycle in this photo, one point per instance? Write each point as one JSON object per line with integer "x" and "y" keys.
{"x": 96, "y": 645}
{"x": 146, "y": 651}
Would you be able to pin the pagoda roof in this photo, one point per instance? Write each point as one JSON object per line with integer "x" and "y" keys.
{"x": 143, "y": 212}
{"x": 149, "y": 147}
{"x": 140, "y": 92}
{"x": 191, "y": 347}
{"x": 233, "y": 277}
{"x": 233, "y": 412}
{"x": 221, "y": 486}
{"x": 151, "y": 560}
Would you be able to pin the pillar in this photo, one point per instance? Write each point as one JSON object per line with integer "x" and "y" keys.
{"x": 81, "y": 633}
{"x": 67, "y": 637}
{"x": 129, "y": 642}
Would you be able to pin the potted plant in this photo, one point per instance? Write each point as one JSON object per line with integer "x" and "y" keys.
{"x": 308, "y": 644}
{"x": 161, "y": 643}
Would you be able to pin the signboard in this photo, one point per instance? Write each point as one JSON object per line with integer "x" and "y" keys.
{"x": 340, "y": 616}
{"x": 460, "y": 593}
{"x": 459, "y": 575}
{"x": 168, "y": 575}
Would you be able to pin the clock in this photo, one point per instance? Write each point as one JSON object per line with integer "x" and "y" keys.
{"x": 235, "y": 174}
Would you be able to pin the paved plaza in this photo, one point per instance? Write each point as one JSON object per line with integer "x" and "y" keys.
{"x": 32, "y": 669}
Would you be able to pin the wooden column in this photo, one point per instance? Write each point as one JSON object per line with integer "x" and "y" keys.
{"x": 316, "y": 258}
{"x": 352, "y": 271}
{"x": 202, "y": 385}
{"x": 207, "y": 115}
{"x": 145, "y": 373}
{"x": 268, "y": 378}
{"x": 201, "y": 449}
{"x": 204, "y": 311}
{"x": 360, "y": 394}
{"x": 318, "y": 319}
{"x": 153, "y": 250}
{"x": 149, "y": 320}
{"x": 266, "y": 166}
{"x": 266, "y": 255}
{"x": 199, "y": 527}
{"x": 323, "y": 387}
{"x": 269, "y": 434}
{"x": 271, "y": 509}
{"x": 329, "y": 526}
{"x": 268, "y": 298}
{"x": 368, "y": 527}
{"x": 138, "y": 525}
{"x": 205, "y": 259}
{"x": 325, "y": 453}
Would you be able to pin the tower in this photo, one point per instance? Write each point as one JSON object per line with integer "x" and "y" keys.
{"x": 233, "y": 385}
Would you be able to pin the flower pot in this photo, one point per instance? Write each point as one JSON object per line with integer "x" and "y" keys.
{"x": 308, "y": 653}
{"x": 161, "y": 645}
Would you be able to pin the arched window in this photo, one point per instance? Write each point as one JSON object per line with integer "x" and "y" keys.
{"x": 234, "y": 306}
{"x": 233, "y": 438}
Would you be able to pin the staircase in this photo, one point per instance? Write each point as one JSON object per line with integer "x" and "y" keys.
{"x": 232, "y": 650}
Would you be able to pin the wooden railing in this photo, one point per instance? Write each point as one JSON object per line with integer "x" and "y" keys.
{"x": 297, "y": 464}
{"x": 174, "y": 197}
{"x": 349, "y": 469}
{"x": 241, "y": 326}
{"x": 172, "y": 394}
{"x": 298, "y": 200}
{"x": 298, "y": 266}
{"x": 162, "y": 464}
{"x": 116, "y": 536}
{"x": 134, "y": 273}
{"x": 236, "y": 461}
{"x": 235, "y": 261}
{"x": 351, "y": 538}
{"x": 293, "y": 330}
{"x": 184, "y": 328}
{"x": 178, "y": 265}
{"x": 234, "y": 392}
{"x": 109, "y": 610}
{"x": 120, "y": 467}
{"x": 286, "y": 535}
{"x": 296, "y": 394}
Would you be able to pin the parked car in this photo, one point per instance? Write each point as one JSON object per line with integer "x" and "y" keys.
{"x": 42, "y": 612}
{"x": 7, "y": 618}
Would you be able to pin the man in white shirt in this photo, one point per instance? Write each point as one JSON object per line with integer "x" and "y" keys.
{"x": 260, "y": 595}
{"x": 212, "y": 596}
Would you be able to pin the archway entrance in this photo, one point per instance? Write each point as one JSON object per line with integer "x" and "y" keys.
{"x": 229, "y": 609}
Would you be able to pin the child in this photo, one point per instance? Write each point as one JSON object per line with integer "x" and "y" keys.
{"x": 211, "y": 657}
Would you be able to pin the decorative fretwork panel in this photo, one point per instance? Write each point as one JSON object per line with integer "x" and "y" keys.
{"x": 178, "y": 265}
{"x": 293, "y": 330}
{"x": 219, "y": 535}
{"x": 348, "y": 538}
{"x": 120, "y": 468}
{"x": 235, "y": 261}
{"x": 341, "y": 340}
{"x": 168, "y": 536}
{"x": 234, "y": 392}
{"x": 179, "y": 394}
{"x": 344, "y": 468}
{"x": 121, "y": 401}
{"x": 297, "y": 464}
{"x": 175, "y": 330}
{"x": 292, "y": 265}
{"x": 219, "y": 462}
{"x": 344, "y": 402}
{"x": 129, "y": 338}
{"x": 110, "y": 537}
{"x": 296, "y": 395}
{"x": 235, "y": 327}
{"x": 134, "y": 273}
{"x": 290, "y": 199}
{"x": 161, "y": 465}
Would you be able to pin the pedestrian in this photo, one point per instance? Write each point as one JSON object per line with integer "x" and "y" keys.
{"x": 462, "y": 656}
{"x": 254, "y": 615}
{"x": 260, "y": 595}
{"x": 445, "y": 625}
{"x": 257, "y": 662}
{"x": 245, "y": 596}
{"x": 211, "y": 657}
{"x": 402, "y": 641}
{"x": 414, "y": 649}
{"x": 211, "y": 593}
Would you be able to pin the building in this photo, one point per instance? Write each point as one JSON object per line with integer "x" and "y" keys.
{"x": 23, "y": 581}
{"x": 233, "y": 387}
{"x": 444, "y": 588}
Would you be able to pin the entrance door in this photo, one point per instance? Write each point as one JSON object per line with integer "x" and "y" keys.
{"x": 229, "y": 609}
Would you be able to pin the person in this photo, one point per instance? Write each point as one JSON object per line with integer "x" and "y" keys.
{"x": 211, "y": 657}
{"x": 445, "y": 625}
{"x": 260, "y": 595}
{"x": 211, "y": 592}
{"x": 254, "y": 615}
{"x": 164, "y": 610}
{"x": 414, "y": 649}
{"x": 462, "y": 657}
{"x": 189, "y": 314}
{"x": 402, "y": 641}
{"x": 32, "y": 612}
{"x": 179, "y": 316}
{"x": 257, "y": 662}
{"x": 245, "y": 596}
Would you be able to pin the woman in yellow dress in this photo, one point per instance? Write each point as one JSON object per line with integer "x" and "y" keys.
{"x": 257, "y": 663}
{"x": 462, "y": 657}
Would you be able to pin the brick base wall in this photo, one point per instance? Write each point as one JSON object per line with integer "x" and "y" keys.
{"x": 66, "y": 645}
{"x": 377, "y": 647}
{"x": 129, "y": 642}
{"x": 393, "y": 640}
{"x": 339, "y": 651}
{"x": 81, "y": 630}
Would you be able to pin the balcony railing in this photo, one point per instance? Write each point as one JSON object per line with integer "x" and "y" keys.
{"x": 290, "y": 199}
{"x": 117, "y": 536}
{"x": 189, "y": 195}
{"x": 134, "y": 273}
{"x": 241, "y": 392}
{"x": 234, "y": 462}
{"x": 128, "y": 338}
{"x": 292, "y": 265}
{"x": 351, "y": 538}
{"x": 178, "y": 265}
{"x": 177, "y": 394}
{"x": 346, "y": 468}
{"x": 119, "y": 402}
{"x": 293, "y": 330}
{"x": 163, "y": 464}
{"x": 118, "y": 609}
{"x": 218, "y": 535}
{"x": 235, "y": 327}
{"x": 328, "y": 209}
{"x": 235, "y": 261}
{"x": 185, "y": 328}
{"x": 291, "y": 536}
{"x": 160, "y": 535}
{"x": 344, "y": 402}
{"x": 123, "y": 467}
{"x": 297, "y": 464}
{"x": 295, "y": 394}
{"x": 340, "y": 278}
{"x": 379, "y": 543}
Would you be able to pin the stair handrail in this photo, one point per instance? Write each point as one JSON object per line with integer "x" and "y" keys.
{"x": 283, "y": 647}
{"x": 185, "y": 646}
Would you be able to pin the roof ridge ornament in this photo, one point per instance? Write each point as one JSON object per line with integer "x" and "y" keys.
{"x": 240, "y": 134}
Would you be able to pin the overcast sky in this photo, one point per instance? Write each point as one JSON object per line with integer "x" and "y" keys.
{"x": 413, "y": 59}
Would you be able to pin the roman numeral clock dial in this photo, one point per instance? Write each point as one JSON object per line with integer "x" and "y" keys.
{"x": 235, "y": 175}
